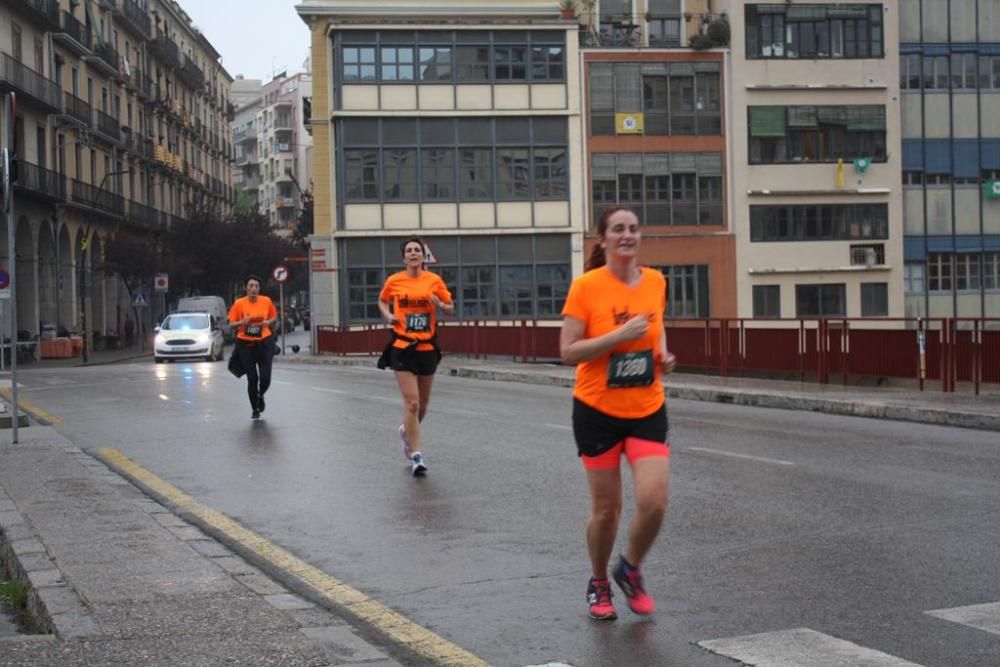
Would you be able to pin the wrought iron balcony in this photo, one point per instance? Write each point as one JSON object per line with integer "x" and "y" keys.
{"x": 191, "y": 74}
{"x": 165, "y": 49}
{"x": 108, "y": 126}
{"x": 664, "y": 31}
{"x": 77, "y": 109}
{"x": 108, "y": 55}
{"x": 74, "y": 35}
{"x": 85, "y": 194}
{"x": 147, "y": 217}
{"x": 135, "y": 16}
{"x": 40, "y": 182}
{"x": 27, "y": 82}
{"x": 46, "y": 11}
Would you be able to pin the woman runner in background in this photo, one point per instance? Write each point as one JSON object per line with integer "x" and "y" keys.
{"x": 613, "y": 331}
{"x": 415, "y": 295}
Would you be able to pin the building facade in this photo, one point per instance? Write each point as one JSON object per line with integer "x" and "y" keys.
{"x": 459, "y": 122}
{"x": 121, "y": 122}
{"x": 950, "y": 89}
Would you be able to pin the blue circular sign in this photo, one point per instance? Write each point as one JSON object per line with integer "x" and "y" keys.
{"x": 4, "y": 279}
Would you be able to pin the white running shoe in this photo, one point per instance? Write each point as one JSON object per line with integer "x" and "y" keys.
{"x": 405, "y": 442}
{"x": 419, "y": 468}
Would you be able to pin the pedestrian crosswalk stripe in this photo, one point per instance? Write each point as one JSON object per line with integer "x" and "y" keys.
{"x": 797, "y": 647}
{"x": 984, "y": 617}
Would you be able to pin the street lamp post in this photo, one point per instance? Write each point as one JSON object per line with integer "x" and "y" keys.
{"x": 84, "y": 243}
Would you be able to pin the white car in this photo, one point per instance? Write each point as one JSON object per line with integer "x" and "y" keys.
{"x": 186, "y": 336}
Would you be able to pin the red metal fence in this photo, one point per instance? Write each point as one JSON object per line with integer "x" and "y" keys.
{"x": 948, "y": 350}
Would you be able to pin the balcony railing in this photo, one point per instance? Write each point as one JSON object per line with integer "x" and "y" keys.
{"x": 86, "y": 194}
{"x": 24, "y": 81}
{"x": 245, "y": 133}
{"x": 40, "y": 181}
{"x": 664, "y": 31}
{"x": 78, "y": 109}
{"x": 77, "y": 31}
{"x": 108, "y": 126}
{"x": 191, "y": 73}
{"x": 144, "y": 216}
{"x": 46, "y": 11}
{"x": 136, "y": 15}
{"x": 108, "y": 54}
{"x": 165, "y": 48}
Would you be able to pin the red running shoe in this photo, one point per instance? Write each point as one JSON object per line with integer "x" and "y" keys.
{"x": 599, "y": 598}
{"x": 629, "y": 580}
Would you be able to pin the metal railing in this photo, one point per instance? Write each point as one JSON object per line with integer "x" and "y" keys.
{"x": 40, "y": 180}
{"x": 143, "y": 216}
{"x": 46, "y": 10}
{"x": 136, "y": 15}
{"x": 28, "y": 82}
{"x": 664, "y": 31}
{"x": 108, "y": 126}
{"x": 106, "y": 52}
{"x": 88, "y": 195}
{"x": 166, "y": 49}
{"x": 78, "y": 31}
{"x": 77, "y": 108}
{"x": 191, "y": 73}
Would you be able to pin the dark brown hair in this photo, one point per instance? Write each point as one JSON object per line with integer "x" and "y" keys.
{"x": 412, "y": 239}
{"x": 597, "y": 259}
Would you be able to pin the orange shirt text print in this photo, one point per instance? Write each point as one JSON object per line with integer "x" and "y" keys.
{"x": 416, "y": 316}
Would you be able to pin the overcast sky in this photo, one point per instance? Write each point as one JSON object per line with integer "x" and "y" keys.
{"x": 256, "y": 38}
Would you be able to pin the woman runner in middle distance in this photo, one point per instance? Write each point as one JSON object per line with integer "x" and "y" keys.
{"x": 415, "y": 296}
{"x": 613, "y": 331}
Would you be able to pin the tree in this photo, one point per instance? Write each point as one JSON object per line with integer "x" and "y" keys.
{"x": 134, "y": 257}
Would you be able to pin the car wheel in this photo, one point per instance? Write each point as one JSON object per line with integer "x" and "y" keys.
{"x": 158, "y": 360}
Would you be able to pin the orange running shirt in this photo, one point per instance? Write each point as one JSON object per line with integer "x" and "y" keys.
{"x": 603, "y": 303}
{"x": 416, "y": 316}
{"x": 260, "y": 311}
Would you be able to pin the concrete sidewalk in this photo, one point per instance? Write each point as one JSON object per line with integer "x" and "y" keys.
{"x": 120, "y": 580}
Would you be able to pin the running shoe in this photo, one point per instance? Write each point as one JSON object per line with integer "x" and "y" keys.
{"x": 255, "y": 414}
{"x": 629, "y": 580}
{"x": 418, "y": 467}
{"x": 405, "y": 442}
{"x": 599, "y": 598}
{"x": 260, "y": 403}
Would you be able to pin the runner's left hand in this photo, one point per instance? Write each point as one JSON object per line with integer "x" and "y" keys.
{"x": 668, "y": 363}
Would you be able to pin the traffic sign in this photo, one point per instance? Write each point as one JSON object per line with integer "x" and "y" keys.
{"x": 140, "y": 299}
{"x": 161, "y": 282}
{"x": 280, "y": 273}
{"x": 429, "y": 257}
{"x": 4, "y": 279}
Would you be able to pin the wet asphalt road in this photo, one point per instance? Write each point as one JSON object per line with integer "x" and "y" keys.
{"x": 778, "y": 520}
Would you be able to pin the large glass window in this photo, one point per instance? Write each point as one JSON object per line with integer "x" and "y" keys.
{"x": 821, "y": 300}
{"x": 816, "y": 134}
{"x": 767, "y": 300}
{"x": 814, "y": 31}
{"x": 397, "y": 63}
{"x": 358, "y": 63}
{"x": 680, "y": 101}
{"x": 819, "y": 222}
{"x": 939, "y": 272}
{"x": 914, "y": 277}
{"x": 687, "y": 290}
{"x": 874, "y": 299}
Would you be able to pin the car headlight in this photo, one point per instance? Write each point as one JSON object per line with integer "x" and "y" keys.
{"x": 160, "y": 339}
{"x": 202, "y": 339}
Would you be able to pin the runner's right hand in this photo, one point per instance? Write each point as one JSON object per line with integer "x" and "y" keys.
{"x": 635, "y": 328}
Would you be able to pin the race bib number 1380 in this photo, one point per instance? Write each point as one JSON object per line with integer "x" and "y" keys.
{"x": 630, "y": 369}
{"x": 254, "y": 330}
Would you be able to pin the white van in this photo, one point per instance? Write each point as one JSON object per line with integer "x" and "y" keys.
{"x": 214, "y": 305}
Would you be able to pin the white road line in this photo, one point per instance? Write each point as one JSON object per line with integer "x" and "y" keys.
{"x": 797, "y": 647}
{"x": 561, "y": 427}
{"x": 734, "y": 455}
{"x": 329, "y": 391}
{"x": 984, "y": 617}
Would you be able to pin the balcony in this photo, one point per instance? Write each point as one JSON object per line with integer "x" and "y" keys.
{"x": 74, "y": 36}
{"x": 108, "y": 127}
{"x": 39, "y": 182}
{"x": 85, "y": 194}
{"x": 612, "y": 34}
{"x": 191, "y": 74}
{"x": 135, "y": 17}
{"x": 164, "y": 48}
{"x": 246, "y": 133}
{"x": 664, "y": 31}
{"x": 105, "y": 58}
{"x": 44, "y": 11}
{"x": 146, "y": 217}
{"x": 24, "y": 81}
{"x": 77, "y": 109}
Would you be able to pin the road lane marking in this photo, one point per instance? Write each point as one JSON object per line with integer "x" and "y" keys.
{"x": 561, "y": 427}
{"x": 330, "y": 391}
{"x": 734, "y": 455}
{"x": 984, "y": 617}
{"x": 391, "y": 623}
{"x": 30, "y": 408}
{"x": 799, "y": 646}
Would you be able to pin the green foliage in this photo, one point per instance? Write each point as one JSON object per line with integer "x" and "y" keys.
{"x": 718, "y": 32}
{"x": 14, "y": 594}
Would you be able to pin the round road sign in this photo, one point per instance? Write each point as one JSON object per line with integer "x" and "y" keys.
{"x": 4, "y": 279}
{"x": 280, "y": 273}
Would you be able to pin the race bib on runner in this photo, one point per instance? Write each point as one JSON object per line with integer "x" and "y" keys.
{"x": 418, "y": 323}
{"x": 630, "y": 369}
{"x": 254, "y": 330}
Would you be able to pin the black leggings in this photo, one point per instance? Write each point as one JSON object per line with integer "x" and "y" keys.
{"x": 251, "y": 357}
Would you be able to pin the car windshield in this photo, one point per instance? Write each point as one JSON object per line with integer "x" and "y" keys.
{"x": 185, "y": 322}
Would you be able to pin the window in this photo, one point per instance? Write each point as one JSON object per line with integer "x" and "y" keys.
{"x": 476, "y": 174}
{"x": 914, "y": 277}
{"x": 963, "y": 71}
{"x": 913, "y": 178}
{"x": 397, "y": 63}
{"x": 820, "y": 222}
{"x": 478, "y": 292}
{"x": 438, "y": 174}
{"x": 687, "y": 290}
{"x": 814, "y": 31}
{"x": 821, "y": 300}
{"x": 363, "y": 287}
{"x": 40, "y": 56}
{"x": 510, "y": 63}
{"x": 991, "y": 271}
{"x": 15, "y": 41}
{"x": 767, "y": 301}
{"x": 435, "y": 63}
{"x": 967, "y": 271}
{"x": 989, "y": 72}
{"x": 361, "y": 169}
{"x": 551, "y": 173}
{"x": 936, "y": 72}
{"x": 874, "y": 299}
{"x": 939, "y": 272}
{"x": 552, "y": 284}
{"x": 359, "y": 63}
{"x": 516, "y": 290}
{"x": 816, "y": 134}
{"x": 547, "y": 63}
{"x": 679, "y": 101}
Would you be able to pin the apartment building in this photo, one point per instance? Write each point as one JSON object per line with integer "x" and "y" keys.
{"x": 816, "y": 159}
{"x": 122, "y": 121}
{"x": 274, "y": 147}
{"x": 459, "y": 121}
{"x": 950, "y": 89}
{"x": 656, "y": 142}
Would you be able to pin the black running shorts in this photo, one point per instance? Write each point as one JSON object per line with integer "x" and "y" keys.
{"x": 596, "y": 432}
{"x": 413, "y": 361}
